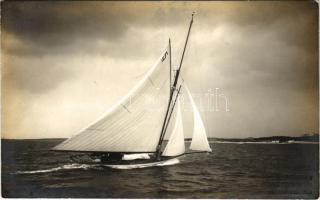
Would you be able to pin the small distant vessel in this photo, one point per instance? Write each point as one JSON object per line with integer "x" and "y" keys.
{"x": 131, "y": 133}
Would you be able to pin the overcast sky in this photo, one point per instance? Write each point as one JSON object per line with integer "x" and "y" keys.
{"x": 66, "y": 63}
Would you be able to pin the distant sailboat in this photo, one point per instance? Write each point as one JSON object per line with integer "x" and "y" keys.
{"x": 131, "y": 133}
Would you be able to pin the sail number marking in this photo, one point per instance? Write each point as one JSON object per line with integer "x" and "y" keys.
{"x": 164, "y": 56}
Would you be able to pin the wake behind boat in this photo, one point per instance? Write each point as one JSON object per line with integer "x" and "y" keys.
{"x": 132, "y": 132}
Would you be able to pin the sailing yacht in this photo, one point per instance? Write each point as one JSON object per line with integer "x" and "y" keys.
{"x": 132, "y": 134}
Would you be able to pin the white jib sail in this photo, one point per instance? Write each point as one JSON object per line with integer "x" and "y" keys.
{"x": 133, "y": 124}
{"x": 199, "y": 140}
{"x": 175, "y": 144}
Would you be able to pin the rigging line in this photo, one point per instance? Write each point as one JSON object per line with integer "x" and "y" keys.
{"x": 171, "y": 94}
{"x": 178, "y": 92}
{"x": 184, "y": 49}
{"x": 174, "y": 103}
{"x": 167, "y": 124}
{"x": 163, "y": 125}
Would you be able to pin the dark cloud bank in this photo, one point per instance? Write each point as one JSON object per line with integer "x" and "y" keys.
{"x": 266, "y": 61}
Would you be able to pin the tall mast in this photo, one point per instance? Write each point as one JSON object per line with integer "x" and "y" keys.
{"x": 176, "y": 78}
{"x": 184, "y": 49}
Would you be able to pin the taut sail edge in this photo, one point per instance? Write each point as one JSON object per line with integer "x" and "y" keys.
{"x": 118, "y": 119}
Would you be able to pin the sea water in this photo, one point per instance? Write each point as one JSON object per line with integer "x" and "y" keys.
{"x": 232, "y": 170}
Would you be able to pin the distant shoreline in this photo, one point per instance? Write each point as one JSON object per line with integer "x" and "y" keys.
{"x": 273, "y": 139}
{"x": 305, "y": 139}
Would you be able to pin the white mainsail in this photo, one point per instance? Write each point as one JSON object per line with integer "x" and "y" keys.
{"x": 175, "y": 144}
{"x": 199, "y": 140}
{"x": 133, "y": 124}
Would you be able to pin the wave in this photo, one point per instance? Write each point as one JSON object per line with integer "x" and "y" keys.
{"x": 63, "y": 167}
{"x": 268, "y": 142}
{"x": 98, "y": 166}
{"x": 233, "y": 142}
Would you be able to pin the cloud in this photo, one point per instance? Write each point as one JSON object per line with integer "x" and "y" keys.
{"x": 69, "y": 61}
{"x": 62, "y": 27}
